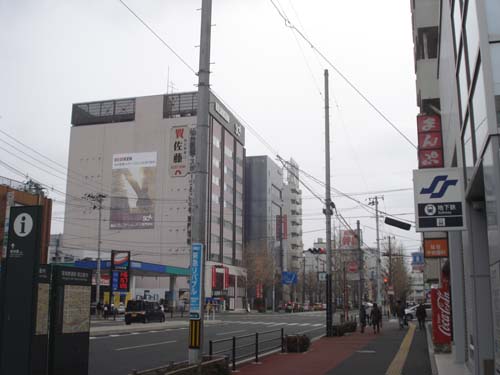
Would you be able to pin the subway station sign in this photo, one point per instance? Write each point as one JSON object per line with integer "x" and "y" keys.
{"x": 439, "y": 204}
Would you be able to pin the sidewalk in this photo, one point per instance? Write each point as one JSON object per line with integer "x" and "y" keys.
{"x": 393, "y": 351}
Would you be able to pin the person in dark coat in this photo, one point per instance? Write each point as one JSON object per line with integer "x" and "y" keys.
{"x": 421, "y": 315}
{"x": 400, "y": 312}
{"x": 376, "y": 317}
{"x": 362, "y": 318}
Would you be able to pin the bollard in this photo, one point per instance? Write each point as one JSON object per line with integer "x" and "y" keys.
{"x": 234, "y": 353}
{"x": 257, "y": 347}
{"x": 282, "y": 340}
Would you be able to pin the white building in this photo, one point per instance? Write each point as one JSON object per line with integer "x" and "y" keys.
{"x": 136, "y": 152}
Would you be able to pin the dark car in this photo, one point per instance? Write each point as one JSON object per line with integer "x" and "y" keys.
{"x": 143, "y": 312}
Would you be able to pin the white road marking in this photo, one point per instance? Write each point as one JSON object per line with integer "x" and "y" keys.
{"x": 145, "y": 345}
{"x": 292, "y": 324}
{"x": 228, "y": 333}
{"x": 92, "y": 337}
{"x": 114, "y": 335}
{"x": 317, "y": 325}
{"x": 366, "y": 351}
{"x": 305, "y": 324}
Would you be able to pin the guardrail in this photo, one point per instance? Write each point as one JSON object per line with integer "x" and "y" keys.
{"x": 257, "y": 341}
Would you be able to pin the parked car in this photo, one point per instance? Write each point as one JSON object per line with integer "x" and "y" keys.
{"x": 143, "y": 312}
{"x": 121, "y": 308}
{"x": 410, "y": 313}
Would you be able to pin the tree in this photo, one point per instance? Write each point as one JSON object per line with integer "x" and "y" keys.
{"x": 396, "y": 271}
{"x": 258, "y": 261}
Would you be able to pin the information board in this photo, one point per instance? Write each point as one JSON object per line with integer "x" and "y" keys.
{"x": 196, "y": 281}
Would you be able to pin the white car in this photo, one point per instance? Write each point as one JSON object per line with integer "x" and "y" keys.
{"x": 411, "y": 312}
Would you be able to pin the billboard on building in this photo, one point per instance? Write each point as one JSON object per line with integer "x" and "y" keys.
{"x": 133, "y": 188}
{"x": 179, "y": 160}
{"x": 348, "y": 239}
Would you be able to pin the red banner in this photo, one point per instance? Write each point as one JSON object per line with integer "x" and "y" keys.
{"x": 285, "y": 227}
{"x": 226, "y": 278}
{"x": 441, "y": 316}
{"x": 430, "y": 142}
{"x": 258, "y": 291}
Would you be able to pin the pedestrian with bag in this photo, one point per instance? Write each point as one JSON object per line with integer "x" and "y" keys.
{"x": 421, "y": 315}
{"x": 362, "y": 318}
{"x": 376, "y": 317}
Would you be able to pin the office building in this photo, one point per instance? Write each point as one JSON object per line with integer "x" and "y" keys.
{"x": 136, "y": 152}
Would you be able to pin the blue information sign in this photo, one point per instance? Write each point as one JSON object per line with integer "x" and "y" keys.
{"x": 288, "y": 278}
{"x": 196, "y": 280}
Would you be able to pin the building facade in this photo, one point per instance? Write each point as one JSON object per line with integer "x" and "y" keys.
{"x": 136, "y": 152}
{"x": 468, "y": 75}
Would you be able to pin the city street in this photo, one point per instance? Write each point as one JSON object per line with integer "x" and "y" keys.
{"x": 121, "y": 353}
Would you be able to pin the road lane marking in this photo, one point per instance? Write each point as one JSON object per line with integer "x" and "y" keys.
{"x": 305, "y": 324}
{"x": 399, "y": 360}
{"x": 366, "y": 351}
{"x": 291, "y": 324}
{"x": 145, "y": 345}
{"x": 317, "y": 325}
{"x": 228, "y": 333}
{"x": 115, "y": 335}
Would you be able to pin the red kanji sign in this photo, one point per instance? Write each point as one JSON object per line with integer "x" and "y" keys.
{"x": 430, "y": 158}
{"x": 428, "y": 141}
{"x": 427, "y": 124}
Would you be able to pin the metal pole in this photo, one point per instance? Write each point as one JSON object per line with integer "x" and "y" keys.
{"x": 200, "y": 167}
{"x": 304, "y": 280}
{"x": 98, "y": 268}
{"x": 328, "y": 212}
{"x": 361, "y": 266}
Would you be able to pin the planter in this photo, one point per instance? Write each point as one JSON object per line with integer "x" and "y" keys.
{"x": 297, "y": 343}
{"x": 338, "y": 330}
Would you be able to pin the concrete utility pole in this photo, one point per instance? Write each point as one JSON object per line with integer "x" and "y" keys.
{"x": 361, "y": 266}
{"x": 374, "y": 202}
{"x": 96, "y": 200}
{"x": 328, "y": 212}
{"x": 303, "y": 279}
{"x": 200, "y": 170}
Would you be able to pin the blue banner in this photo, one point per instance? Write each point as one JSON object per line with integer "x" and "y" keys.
{"x": 289, "y": 278}
{"x": 196, "y": 280}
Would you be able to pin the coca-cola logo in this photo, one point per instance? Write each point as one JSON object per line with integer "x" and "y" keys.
{"x": 444, "y": 312}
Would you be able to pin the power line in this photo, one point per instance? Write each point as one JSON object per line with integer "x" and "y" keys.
{"x": 344, "y": 77}
{"x": 158, "y": 37}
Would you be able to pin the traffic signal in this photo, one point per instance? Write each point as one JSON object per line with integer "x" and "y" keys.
{"x": 386, "y": 280}
{"x": 317, "y": 250}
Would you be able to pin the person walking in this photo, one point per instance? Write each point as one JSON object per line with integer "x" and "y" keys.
{"x": 421, "y": 315}
{"x": 400, "y": 312}
{"x": 106, "y": 311}
{"x": 362, "y": 318}
{"x": 376, "y": 317}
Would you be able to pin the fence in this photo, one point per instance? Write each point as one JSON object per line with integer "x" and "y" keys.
{"x": 247, "y": 346}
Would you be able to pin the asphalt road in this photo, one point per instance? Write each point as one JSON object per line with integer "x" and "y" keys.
{"x": 120, "y": 354}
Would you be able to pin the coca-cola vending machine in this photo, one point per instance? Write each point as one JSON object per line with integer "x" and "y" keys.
{"x": 441, "y": 316}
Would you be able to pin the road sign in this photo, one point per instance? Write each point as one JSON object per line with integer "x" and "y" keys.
{"x": 321, "y": 276}
{"x": 438, "y": 199}
{"x": 288, "y": 278}
{"x": 196, "y": 280}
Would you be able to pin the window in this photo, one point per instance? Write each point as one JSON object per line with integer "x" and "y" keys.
{"x": 216, "y": 142}
{"x": 472, "y": 32}
{"x": 467, "y": 142}
{"x": 228, "y": 152}
{"x": 479, "y": 111}
{"x": 497, "y": 108}
{"x": 427, "y": 42}
{"x": 216, "y": 163}
{"x": 457, "y": 23}
{"x": 216, "y": 180}
{"x": 462, "y": 84}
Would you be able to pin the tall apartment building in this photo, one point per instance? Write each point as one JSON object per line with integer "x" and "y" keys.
{"x": 468, "y": 73}
{"x": 136, "y": 152}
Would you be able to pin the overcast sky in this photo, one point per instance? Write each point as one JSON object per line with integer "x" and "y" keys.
{"x": 55, "y": 53}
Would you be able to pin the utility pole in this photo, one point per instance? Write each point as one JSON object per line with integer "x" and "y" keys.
{"x": 361, "y": 266}
{"x": 328, "y": 212}
{"x": 200, "y": 176}
{"x": 374, "y": 202}
{"x": 96, "y": 200}
{"x": 303, "y": 279}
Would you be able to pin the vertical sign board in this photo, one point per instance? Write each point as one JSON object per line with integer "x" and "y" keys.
{"x": 195, "y": 295}
{"x": 40, "y": 343}
{"x": 441, "y": 316}
{"x": 439, "y": 199}
{"x": 19, "y": 297}
{"x": 70, "y": 321}
{"x": 120, "y": 271}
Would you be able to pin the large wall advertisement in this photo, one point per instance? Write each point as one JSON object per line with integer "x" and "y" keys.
{"x": 133, "y": 188}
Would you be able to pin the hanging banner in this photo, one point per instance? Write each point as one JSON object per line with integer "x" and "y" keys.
{"x": 196, "y": 303}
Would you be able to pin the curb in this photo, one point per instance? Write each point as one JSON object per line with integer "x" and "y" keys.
{"x": 430, "y": 347}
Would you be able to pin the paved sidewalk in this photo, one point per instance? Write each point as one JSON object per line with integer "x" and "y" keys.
{"x": 393, "y": 351}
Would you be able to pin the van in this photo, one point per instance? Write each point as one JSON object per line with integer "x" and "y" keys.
{"x": 143, "y": 312}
